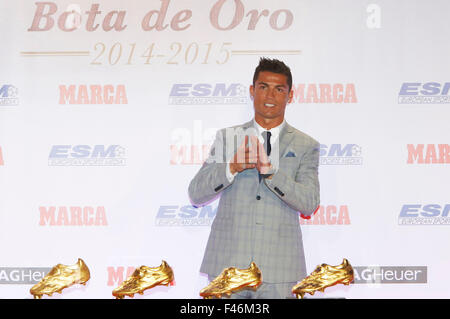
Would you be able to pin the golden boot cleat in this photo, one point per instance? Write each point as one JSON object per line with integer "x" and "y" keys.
{"x": 144, "y": 278}
{"x": 232, "y": 279}
{"x": 60, "y": 277}
{"x": 324, "y": 276}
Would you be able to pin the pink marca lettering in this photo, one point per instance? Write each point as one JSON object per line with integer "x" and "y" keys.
{"x": 1, "y": 158}
{"x": 328, "y": 215}
{"x": 116, "y": 275}
{"x": 92, "y": 94}
{"x": 72, "y": 216}
{"x": 325, "y": 93}
{"x": 188, "y": 154}
{"x": 428, "y": 154}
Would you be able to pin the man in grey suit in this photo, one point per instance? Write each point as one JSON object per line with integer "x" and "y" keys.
{"x": 265, "y": 172}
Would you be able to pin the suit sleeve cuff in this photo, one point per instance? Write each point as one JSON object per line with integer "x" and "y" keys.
{"x": 278, "y": 179}
{"x": 230, "y": 176}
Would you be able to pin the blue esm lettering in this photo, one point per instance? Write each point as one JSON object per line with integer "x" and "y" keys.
{"x": 429, "y": 88}
{"x": 430, "y": 210}
{"x": 336, "y": 150}
{"x": 80, "y": 151}
{"x": 204, "y": 89}
{"x": 4, "y": 90}
{"x": 187, "y": 211}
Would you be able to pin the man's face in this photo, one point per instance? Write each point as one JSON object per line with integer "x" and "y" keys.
{"x": 270, "y": 96}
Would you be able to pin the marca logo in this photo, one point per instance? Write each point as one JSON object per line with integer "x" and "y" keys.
{"x": 328, "y": 215}
{"x": 1, "y": 157}
{"x": 424, "y": 93}
{"x": 86, "y": 155}
{"x": 188, "y": 154}
{"x": 325, "y": 93}
{"x": 191, "y": 145}
{"x": 430, "y": 214}
{"x": 340, "y": 154}
{"x": 116, "y": 275}
{"x": 72, "y": 216}
{"x": 207, "y": 93}
{"x": 428, "y": 154}
{"x": 390, "y": 274}
{"x": 92, "y": 94}
{"x": 22, "y": 275}
{"x": 9, "y": 95}
{"x": 185, "y": 215}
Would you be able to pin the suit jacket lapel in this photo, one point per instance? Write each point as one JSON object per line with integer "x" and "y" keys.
{"x": 285, "y": 138}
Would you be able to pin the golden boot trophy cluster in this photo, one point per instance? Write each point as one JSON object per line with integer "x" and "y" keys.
{"x": 229, "y": 281}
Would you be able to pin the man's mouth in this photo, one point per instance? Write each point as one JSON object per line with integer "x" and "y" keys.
{"x": 269, "y": 105}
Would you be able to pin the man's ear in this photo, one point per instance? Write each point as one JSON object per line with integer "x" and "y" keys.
{"x": 251, "y": 91}
{"x": 291, "y": 96}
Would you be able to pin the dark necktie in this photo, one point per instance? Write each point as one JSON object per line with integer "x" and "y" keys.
{"x": 267, "y": 147}
{"x": 266, "y": 135}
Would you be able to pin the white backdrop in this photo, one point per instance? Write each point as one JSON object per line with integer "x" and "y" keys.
{"x": 103, "y": 127}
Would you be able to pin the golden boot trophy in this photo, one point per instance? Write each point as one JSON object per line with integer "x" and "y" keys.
{"x": 324, "y": 276}
{"x": 232, "y": 279}
{"x": 60, "y": 277}
{"x": 144, "y": 278}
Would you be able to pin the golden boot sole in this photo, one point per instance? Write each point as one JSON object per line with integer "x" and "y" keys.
{"x": 324, "y": 276}
{"x": 231, "y": 280}
{"x": 61, "y": 277}
{"x": 142, "y": 280}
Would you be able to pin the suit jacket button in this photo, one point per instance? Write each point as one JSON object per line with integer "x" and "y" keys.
{"x": 258, "y": 197}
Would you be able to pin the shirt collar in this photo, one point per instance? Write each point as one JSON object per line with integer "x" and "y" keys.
{"x": 275, "y": 131}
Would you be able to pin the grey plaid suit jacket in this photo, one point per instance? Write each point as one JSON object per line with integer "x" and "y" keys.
{"x": 259, "y": 221}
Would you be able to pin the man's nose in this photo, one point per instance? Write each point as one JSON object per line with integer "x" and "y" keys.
{"x": 271, "y": 92}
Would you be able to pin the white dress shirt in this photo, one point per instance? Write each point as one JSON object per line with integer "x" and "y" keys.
{"x": 275, "y": 132}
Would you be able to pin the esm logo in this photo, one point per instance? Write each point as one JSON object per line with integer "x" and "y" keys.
{"x": 187, "y": 215}
{"x": 9, "y": 95}
{"x": 86, "y": 155}
{"x": 424, "y": 93}
{"x": 340, "y": 154}
{"x": 429, "y": 214}
{"x": 208, "y": 94}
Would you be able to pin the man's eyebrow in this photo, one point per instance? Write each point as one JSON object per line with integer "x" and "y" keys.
{"x": 267, "y": 84}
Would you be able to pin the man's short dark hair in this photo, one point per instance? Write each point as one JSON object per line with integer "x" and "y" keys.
{"x": 275, "y": 66}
